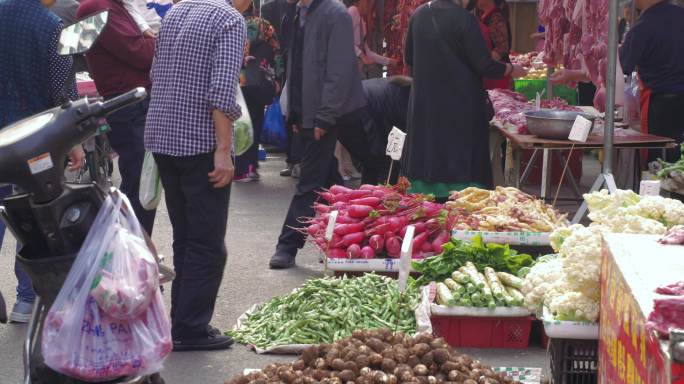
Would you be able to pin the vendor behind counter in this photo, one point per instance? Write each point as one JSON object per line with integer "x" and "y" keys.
{"x": 655, "y": 48}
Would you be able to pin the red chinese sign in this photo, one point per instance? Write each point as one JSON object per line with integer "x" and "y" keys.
{"x": 627, "y": 352}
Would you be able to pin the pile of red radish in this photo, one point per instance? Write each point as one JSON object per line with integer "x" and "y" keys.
{"x": 372, "y": 221}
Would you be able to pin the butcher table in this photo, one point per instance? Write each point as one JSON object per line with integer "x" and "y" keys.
{"x": 547, "y": 147}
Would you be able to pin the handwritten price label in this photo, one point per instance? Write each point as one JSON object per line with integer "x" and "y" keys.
{"x": 395, "y": 144}
{"x": 580, "y": 129}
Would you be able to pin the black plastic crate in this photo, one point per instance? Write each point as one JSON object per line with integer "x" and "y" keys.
{"x": 574, "y": 361}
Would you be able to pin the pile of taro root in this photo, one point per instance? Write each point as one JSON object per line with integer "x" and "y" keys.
{"x": 379, "y": 356}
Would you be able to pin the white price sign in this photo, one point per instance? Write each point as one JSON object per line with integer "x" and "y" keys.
{"x": 331, "y": 226}
{"x": 580, "y": 129}
{"x": 649, "y": 188}
{"x": 395, "y": 143}
{"x": 405, "y": 260}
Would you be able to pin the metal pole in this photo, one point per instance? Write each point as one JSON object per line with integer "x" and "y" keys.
{"x": 610, "y": 85}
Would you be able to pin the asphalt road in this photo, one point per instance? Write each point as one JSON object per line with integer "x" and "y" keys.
{"x": 256, "y": 215}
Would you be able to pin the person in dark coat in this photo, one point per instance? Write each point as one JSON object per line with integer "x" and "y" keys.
{"x": 447, "y": 146}
{"x": 325, "y": 99}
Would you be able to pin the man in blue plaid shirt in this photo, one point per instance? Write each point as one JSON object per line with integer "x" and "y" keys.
{"x": 189, "y": 130}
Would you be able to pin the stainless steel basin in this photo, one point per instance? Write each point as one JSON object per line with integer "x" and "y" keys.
{"x": 552, "y": 124}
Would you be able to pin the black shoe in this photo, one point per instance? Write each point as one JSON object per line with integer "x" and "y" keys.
{"x": 287, "y": 172}
{"x": 207, "y": 343}
{"x": 213, "y": 331}
{"x": 282, "y": 261}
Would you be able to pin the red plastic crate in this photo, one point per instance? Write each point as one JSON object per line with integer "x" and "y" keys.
{"x": 483, "y": 332}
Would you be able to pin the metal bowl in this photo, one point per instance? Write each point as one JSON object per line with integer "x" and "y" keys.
{"x": 552, "y": 124}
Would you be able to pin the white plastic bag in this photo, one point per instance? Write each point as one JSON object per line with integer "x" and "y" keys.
{"x": 151, "y": 189}
{"x": 109, "y": 319}
{"x": 285, "y": 100}
{"x": 243, "y": 131}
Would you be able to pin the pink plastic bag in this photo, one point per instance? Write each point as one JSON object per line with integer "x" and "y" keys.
{"x": 109, "y": 319}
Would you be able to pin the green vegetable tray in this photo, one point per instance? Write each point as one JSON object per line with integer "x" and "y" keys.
{"x": 443, "y": 310}
{"x": 510, "y": 238}
{"x": 365, "y": 265}
{"x": 529, "y": 88}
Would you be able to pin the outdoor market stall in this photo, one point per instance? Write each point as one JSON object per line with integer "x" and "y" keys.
{"x": 470, "y": 287}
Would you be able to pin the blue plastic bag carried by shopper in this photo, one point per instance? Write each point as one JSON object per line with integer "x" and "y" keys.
{"x": 273, "y": 132}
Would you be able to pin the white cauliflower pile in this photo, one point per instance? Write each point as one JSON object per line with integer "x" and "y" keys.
{"x": 569, "y": 285}
{"x": 627, "y": 212}
{"x": 539, "y": 281}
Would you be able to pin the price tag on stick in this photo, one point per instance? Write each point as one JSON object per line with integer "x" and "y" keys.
{"x": 332, "y": 219}
{"x": 329, "y": 231}
{"x": 405, "y": 260}
{"x": 395, "y": 144}
{"x": 580, "y": 129}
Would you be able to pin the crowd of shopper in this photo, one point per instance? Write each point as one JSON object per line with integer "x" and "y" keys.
{"x": 193, "y": 57}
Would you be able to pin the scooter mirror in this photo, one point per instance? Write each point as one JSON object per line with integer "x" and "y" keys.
{"x": 77, "y": 38}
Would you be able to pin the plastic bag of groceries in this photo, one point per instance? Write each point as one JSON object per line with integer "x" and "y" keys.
{"x": 150, "y": 191}
{"x": 109, "y": 319}
{"x": 242, "y": 128}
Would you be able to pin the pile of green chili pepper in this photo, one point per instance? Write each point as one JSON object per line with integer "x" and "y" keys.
{"x": 328, "y": 309}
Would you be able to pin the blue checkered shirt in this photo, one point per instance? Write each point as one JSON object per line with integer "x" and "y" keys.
{"x": 196, "y": 68}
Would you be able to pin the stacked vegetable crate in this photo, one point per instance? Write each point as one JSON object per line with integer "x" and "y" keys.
{"x": 574, "y": 361}
{"x": 573, "y": 348}
{"x": 488, "y": 309}
{"x": 481, "y": 310}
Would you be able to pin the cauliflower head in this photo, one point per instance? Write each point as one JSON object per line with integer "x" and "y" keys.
{"x": 581, "y": 256}
{"x": 572, "y": 306}
{"x": 557, "y": 237}
{"x": 539, "y": 280}
{"x": 668, "y": 212}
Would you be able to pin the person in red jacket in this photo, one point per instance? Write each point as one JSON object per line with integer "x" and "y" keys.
{"x": 119, "y": 61}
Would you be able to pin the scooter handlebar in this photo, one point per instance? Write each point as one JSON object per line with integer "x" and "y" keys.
{"x": 131, "y": 97}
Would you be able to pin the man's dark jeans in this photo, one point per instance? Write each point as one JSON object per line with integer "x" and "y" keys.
{"x": 199, "y": 215}
{"x": 318, "y": 170}
{"x": 127, "y": 139}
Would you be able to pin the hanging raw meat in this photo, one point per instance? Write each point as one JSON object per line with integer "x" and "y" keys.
{"x": 576, "y": 36}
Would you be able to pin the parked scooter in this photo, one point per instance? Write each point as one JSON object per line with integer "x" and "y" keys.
{"x": 52, "y": 218}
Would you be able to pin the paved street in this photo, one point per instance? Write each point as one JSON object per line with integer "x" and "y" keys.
{"x": 256, "y": 214}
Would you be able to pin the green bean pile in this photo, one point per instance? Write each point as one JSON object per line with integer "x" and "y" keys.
{"x": 328, "y": 309}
